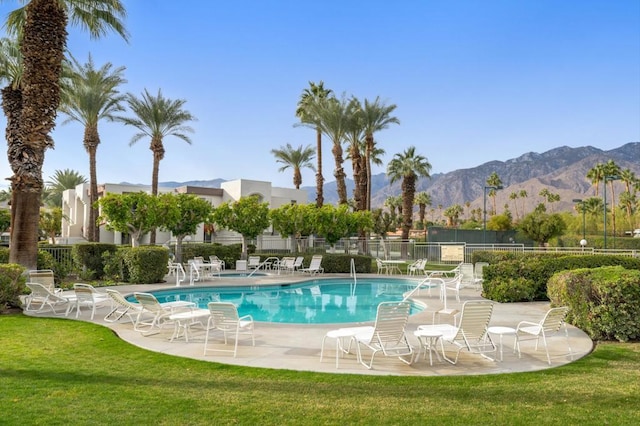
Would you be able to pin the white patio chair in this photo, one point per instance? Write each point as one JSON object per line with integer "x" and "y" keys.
{"x": 388, "y": 334}
{"x": 254, "y": 262}
{"x": 417, "y": 267}
{"x": 471, "y": 332}
{"x": 478, "y": 273}
{"x": 382, "y": 268}
{"x": 88, "y": 296}
{"x": 224, "y": 318}
{"x": 315, "y": 266}
{"x": 552, "y": 324}
{"x": 46, "y": 277}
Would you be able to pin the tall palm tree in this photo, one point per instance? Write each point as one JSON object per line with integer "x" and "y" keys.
{"x": 296, "y": 158}
{"x": 612, "y": 170}
{"x": 376, "y": 116}
{"x": 40, "y": 24}
{"x": 495, "y": 181}
{"x": 316, "y": 93}
{"x": 60, "y": 182}
{"x": 354, "y": 138}
{"x": 596, "y": 175}
{"x": 157, "y": 117}
{"x": 628, "y": 198}
{"x": 90, "y": 94}
{"x": 514, "y": 197}
{"x": 423, "y": 199}
{"x": 333, "y": 116}
{"x": 523, "y": 194}
{"x": 408, "y": 166}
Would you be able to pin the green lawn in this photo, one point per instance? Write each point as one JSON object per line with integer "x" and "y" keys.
{"x": 56, "y": 371}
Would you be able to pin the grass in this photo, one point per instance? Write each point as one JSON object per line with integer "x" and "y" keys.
{"x": 55, "y": 371}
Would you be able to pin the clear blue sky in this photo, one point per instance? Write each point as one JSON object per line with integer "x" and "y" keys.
{"x": 473, "y": 81}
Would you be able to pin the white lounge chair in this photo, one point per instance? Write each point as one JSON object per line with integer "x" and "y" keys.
{"x": 315, "y": 266}
{"x": 470, "y": 333}
{"x": 550, "y": 325}
{"x": 46, "y": 277}
{"x": 467, "y": 275}
{"x": 42, "y": 296}
{"x": 121, "y": 307}
{"x": 157, "y": 313}
{"x": 388, "y": 334}
{"x": 88, "y": 296}
{"x": 478, "y": 273}
{"x": 224, "y": 318}
{"x": 297, "y": 264}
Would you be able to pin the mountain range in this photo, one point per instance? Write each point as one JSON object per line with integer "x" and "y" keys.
{"x": 561, "y": 171}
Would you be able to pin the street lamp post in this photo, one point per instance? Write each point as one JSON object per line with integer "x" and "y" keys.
{"x": 583, "y": 241}
{"x": 484, "y": 211}
{"x": 604, "y": 194}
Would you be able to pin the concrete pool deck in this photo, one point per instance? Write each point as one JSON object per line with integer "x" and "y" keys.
{"x": 297, "y": 346}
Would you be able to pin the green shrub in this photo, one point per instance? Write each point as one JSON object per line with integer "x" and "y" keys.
{"x": 147, "y": 264}
{"x": 88, "y": 259}
{"x": 114, "y": 266}
{"x": 604, "y": 302}
{"x": 12, "y": 281}
{"x": 537, "y": 269}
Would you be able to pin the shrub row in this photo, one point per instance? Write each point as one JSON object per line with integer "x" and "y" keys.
{"x": 604, "y": 302}
{"x": 524, "y": 277}
{"x": 12, "y": 281}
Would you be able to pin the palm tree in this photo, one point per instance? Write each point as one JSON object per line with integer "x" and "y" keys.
{"x": 514, "y": 197}
{"x": 452, "y": 214}
{"x": 296, "y": 158}
{"x": 612, "y": 170}
{"x": 408, "y": 166}
{"x": 495, "y": 181}
{"x": 316, "y": 93}
{"x": 354, "y": 137}
{"x": 157, "y": 117}
{"x": 60, "y": 182}
{"x": 628, "y": 198}
{"x": 376, "y": 117}
{"x": 334, "y": 117}
{"x": 29, "y": 122}
{"x": 596, "y": 175}
{"x": 523, "y": 194}
{"x": 89, "y": 95}
{"x": 423, "y": 200}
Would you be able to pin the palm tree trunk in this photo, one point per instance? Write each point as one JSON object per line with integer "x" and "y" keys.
{"x": 319, "y": 177}
{"x": 91, "y": 141}
{"x": 42, "y": 48}
{"x": 369, "y": 150}
{"x": 339, "y": 174}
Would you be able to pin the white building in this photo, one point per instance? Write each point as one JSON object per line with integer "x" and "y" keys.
{"x": 75, "y": 206}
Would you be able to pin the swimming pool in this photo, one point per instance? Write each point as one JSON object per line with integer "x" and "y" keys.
{"x": 317, "y": 301}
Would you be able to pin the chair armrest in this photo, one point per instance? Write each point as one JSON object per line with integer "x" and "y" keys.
{"x": 245, "y": 317}
{"x": 521, "y": 323}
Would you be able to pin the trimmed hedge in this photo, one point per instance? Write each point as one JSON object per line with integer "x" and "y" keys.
{"x": 88, "y": 259}
{"x": 523, "y": 277}
{"x": 604, "y": 302}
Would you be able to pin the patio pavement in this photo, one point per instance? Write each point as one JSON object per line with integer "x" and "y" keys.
{"x": 297, "y": 346}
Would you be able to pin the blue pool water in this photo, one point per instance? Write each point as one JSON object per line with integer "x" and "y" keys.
{"x": 316, "y": 301}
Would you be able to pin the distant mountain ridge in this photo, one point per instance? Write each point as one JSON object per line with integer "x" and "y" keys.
{"x": 561, "y": 170}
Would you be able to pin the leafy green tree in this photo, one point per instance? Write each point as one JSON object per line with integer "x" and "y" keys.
{"x": 293, "y": 220}
{"x": 296, "y": 159}
{"x": 248, "y": 216}
{"x": 51, "y": 222}
{"x": 31, "y": 103}
{"x": 306, "y": 111}
{"x": 157, "y": 117}
{"x": 383, "y": 222}
{"x": 60, "y": 182}
{"x": 500, "y": 222}
{"x": 5, "y": 220}
{"x": 541, "y": 227}
{"x": 332, "y": 223}
{"x": 90, "y": 94}
{"x": 408, "y": 166}
{"x": 183, "y": 214}
{"x": 135, "y": 213}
